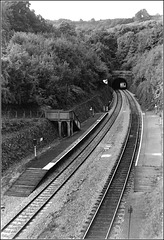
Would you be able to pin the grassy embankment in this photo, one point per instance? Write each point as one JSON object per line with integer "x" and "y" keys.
{"x": 18, "y": 134}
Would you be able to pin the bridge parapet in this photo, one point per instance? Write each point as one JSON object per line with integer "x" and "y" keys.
{"x": 61, "y": 116}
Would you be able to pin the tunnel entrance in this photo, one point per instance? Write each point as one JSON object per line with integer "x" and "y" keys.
{"x": 119, "y": 83}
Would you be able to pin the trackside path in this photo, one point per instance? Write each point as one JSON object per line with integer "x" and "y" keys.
{"x": 150, "y": 157}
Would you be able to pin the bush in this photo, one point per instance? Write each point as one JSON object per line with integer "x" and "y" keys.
{"x": 18, "y": 135}
{"x": 20, "y": 144}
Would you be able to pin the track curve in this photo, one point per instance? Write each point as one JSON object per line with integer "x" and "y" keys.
{"x": 102, "y": 219}
{"x": 21, "y": 221}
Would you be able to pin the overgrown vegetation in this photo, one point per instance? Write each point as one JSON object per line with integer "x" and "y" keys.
{"x": 18, "y": 135}
{"x": 19, "y": 144}
{"x": 56, "y": 67}
{"x": 140, "y": 49}
{"x": 61, "y": 63}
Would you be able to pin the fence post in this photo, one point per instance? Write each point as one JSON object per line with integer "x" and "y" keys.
{"x": 24, "y": 114}
{"x": 16, "y": 114}
{"x": 130, "y": 210}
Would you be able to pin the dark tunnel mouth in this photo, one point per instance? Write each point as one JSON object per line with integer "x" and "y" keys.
{"x": 117, "y": 81}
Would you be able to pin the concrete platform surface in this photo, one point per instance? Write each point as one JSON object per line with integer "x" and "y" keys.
{"x": 151, "y": 150}
{"x": 148, "y": 170}
{"x": 42, "y": 160}
{"x": 36, "y": 170}
{"x": 150, "y": 158}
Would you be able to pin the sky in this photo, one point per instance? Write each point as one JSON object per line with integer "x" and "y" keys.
{"x": 86, "y": 10}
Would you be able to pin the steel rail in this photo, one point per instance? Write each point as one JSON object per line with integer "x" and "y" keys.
{"x": 136, "y": 146}
{"x": 18, "y": 229}
{"x": 102, "y": 219}
{"x": 65, "y": 155}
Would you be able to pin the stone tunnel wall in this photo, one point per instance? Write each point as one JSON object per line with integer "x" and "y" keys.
{"x": 127, "y": 75}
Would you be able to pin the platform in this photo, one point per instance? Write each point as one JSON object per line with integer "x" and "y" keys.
{"x": 146, "y": 177}
{"x": 148, "y": 171}
{"x": 150, "y": 161}
{"x": 26, "y": 183}
{"x": 37, "y": 167}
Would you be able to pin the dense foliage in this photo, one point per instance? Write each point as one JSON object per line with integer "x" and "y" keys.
{"x": 55, "y": 68}
{"x": 19, "y": 144}
{"x": 18, "y": 134}
{"x": 93, "y": 24}
{"x": 17, "y": 16}
{"x": 49, "y": 70}
{"x": 140, "y": 49}
{"x": 63, "y": 64}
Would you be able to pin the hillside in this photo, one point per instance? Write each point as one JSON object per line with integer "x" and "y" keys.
{"x": 108, "y": 23}
{"x": 62, "y": 63}
{"x": 93, "y": 24}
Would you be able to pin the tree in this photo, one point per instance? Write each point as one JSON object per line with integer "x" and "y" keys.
{"x": 66, "y": 28}
{"x": 105, "y": 45}
{"x": 6, "y": 26}
{"x": 19, "y": 17}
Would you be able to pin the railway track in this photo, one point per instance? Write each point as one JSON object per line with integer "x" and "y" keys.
{"x": 29, "y": 212}
{"x": 103, "y": 215}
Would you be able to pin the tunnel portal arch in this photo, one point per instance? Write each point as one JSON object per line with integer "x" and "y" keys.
{"x": 126, "y": 76}
{"x": 119, "y": 83}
